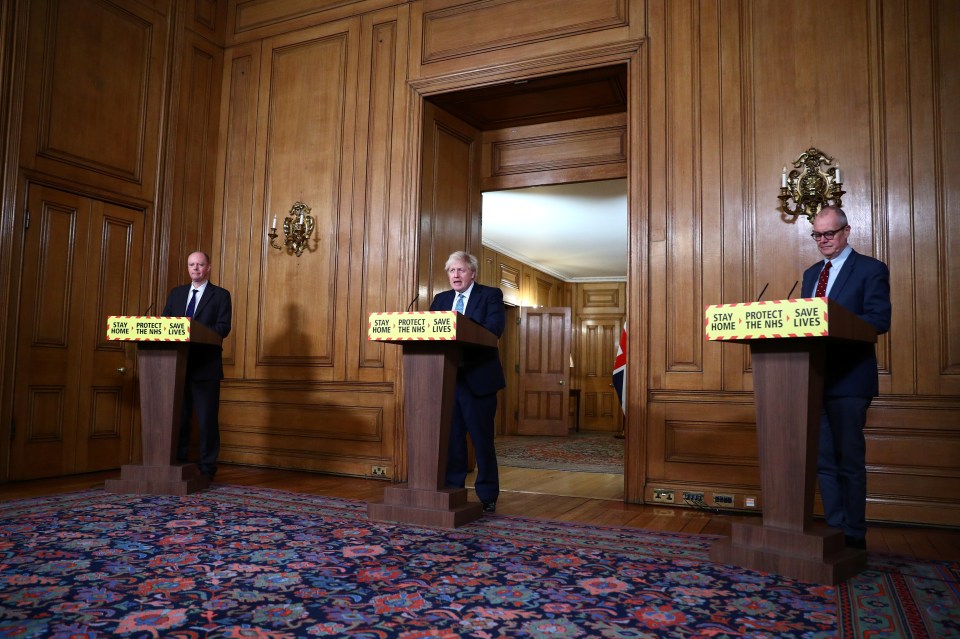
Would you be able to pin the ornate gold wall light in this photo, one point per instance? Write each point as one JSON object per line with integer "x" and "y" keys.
{"x": 810, "y": 186}
{"x": 297, "y": 228}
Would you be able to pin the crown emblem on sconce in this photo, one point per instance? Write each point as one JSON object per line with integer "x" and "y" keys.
{"x": 812, "y": 184}
{"x": 297, "y": 229}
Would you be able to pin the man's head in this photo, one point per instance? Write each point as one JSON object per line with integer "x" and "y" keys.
{"x": 198, "y": 266}
{"x": 830, "y": 231}
{"x": 461, "y": 270}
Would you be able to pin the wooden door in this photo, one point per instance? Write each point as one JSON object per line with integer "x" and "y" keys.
{"x": 74, "y": 401}
{"x": 544, "y": 397}
{"x": 507, "y": 410}
{"x": 450, "y": 203}
{"x": 600, "y": 406}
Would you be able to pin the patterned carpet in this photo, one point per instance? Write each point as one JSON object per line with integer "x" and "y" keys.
{"x": 582, "y": 452}
{"x": 237, "y": 562}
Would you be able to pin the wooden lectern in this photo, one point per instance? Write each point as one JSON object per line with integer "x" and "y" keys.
{"x": 432, "y": 342}
{"x": 162, "y": 364}
{"x": 788, "y": 350}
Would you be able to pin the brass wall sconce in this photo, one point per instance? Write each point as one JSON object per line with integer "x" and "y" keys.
{"x": 810, "y": 186}
{"x": 297, "y": 228}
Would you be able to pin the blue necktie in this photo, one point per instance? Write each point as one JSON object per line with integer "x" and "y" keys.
{"x": 192, "y": 306}
{"x": 458, "y": 307}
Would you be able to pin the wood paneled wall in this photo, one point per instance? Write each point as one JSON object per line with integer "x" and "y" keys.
{"x": 735, "y": 95}
{"x": 323, "y": 102}
{"x": 112, "y": 109}
{"x": 306, "y": 388}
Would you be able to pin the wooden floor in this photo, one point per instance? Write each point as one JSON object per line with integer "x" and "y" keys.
{"x": 558, "y": 495}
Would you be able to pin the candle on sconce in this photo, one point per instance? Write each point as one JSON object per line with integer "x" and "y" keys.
{"x": 274, "y": 222}
{"x": 837, "y": 174}
{"x": 783, "y": 178}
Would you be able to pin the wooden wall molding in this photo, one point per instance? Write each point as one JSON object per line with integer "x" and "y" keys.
{"x": 192, "y": 158}
{"x": 509, "y": 279}
{"x": 377, "y": 169}
{"x": 206, "y": 14}
{"x": 250, "y": 20}
{"x": 473, "y": 28}
{"x": 339, "y": 427}
{"x": 555, "y": 153}
{"x": 235, "y": 194}
{"x": 709, "y": 443}
{"x": 118, "y": 98}
{"x": 601, "y": 299}
{"x": 326, "y": 421}
{"x": 295, "y": 337}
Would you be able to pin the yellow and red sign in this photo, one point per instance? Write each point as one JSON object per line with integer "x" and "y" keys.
{"x": 415, "y": 325}
{"x": 804, "y": 317}
{"x": 130, "y": 328}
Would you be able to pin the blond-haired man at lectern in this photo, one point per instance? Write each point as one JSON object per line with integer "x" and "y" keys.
{"x": 211, "y": 306}
{"x": 479, "y": 377}
{"x": 861, "y": 284}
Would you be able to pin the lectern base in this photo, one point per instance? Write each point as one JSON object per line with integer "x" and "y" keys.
{"x": 817, "y": 556}
{"x": 137, "y": 479}
{"x": 447, "y": 508}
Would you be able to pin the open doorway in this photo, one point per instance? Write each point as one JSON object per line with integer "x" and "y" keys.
{"x": 575, "y": 235}
{"x": 561, "y": 131}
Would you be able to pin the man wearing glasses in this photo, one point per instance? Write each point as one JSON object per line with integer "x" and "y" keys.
{"x": 861, "y": 284}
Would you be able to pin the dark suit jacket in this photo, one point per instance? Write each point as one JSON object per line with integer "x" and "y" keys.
{"x": 481, "y": 366}
{"x": 863, "y": 288}
{"x": 215, "y": 311}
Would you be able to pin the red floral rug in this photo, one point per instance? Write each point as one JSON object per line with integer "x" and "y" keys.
{"x": 580, "y": 452}
{"x": 239, "y": 562}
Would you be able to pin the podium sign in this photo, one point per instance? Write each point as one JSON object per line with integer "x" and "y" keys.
{"x": 418, "y": 325}
{"x": 805, "y": 317}
{"x": 788, "y": 341}
{"x": 129, "y": 328}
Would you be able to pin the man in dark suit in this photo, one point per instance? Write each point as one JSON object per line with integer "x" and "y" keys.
{"x": 479, "y": 377}
{"x": 210, "y": 305}
{"x": 861, "y": 285}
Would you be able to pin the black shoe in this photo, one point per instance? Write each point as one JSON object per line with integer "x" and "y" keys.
{"x": 489, "y": 506}
{"x": 860, "y": 543}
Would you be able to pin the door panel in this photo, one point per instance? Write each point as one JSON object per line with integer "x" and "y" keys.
{"x": 544, "y": 371}
{"x": 73, "y": 409}
{"x": 107, "y": 409}
{"x": 449, "y": 197}
{"x": 601, "y": 406}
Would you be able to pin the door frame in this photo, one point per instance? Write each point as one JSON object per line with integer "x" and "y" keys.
{"x": 634, "y": 56}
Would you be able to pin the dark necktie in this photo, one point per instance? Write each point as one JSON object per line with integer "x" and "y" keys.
{"x": 459, "y": 305}
{"x": 822, "y": 282}
{"x": 192, "y": 306}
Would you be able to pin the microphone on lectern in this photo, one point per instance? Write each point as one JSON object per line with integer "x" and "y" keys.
{"x": 763, "y": 291}
{"x": 793, "y": 289}
{"x": 412, "y": 302}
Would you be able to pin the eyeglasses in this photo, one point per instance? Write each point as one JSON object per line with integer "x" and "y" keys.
{"x": 826, "y": 235}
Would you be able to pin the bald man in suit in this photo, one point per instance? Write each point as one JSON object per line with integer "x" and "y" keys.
{"x": 479, "y": 377}
{"x": 861, "y": 284}
{"x": 211, "y": 306}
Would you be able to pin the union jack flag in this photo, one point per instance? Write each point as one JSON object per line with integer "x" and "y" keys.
{"x": 620, "y": 369}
